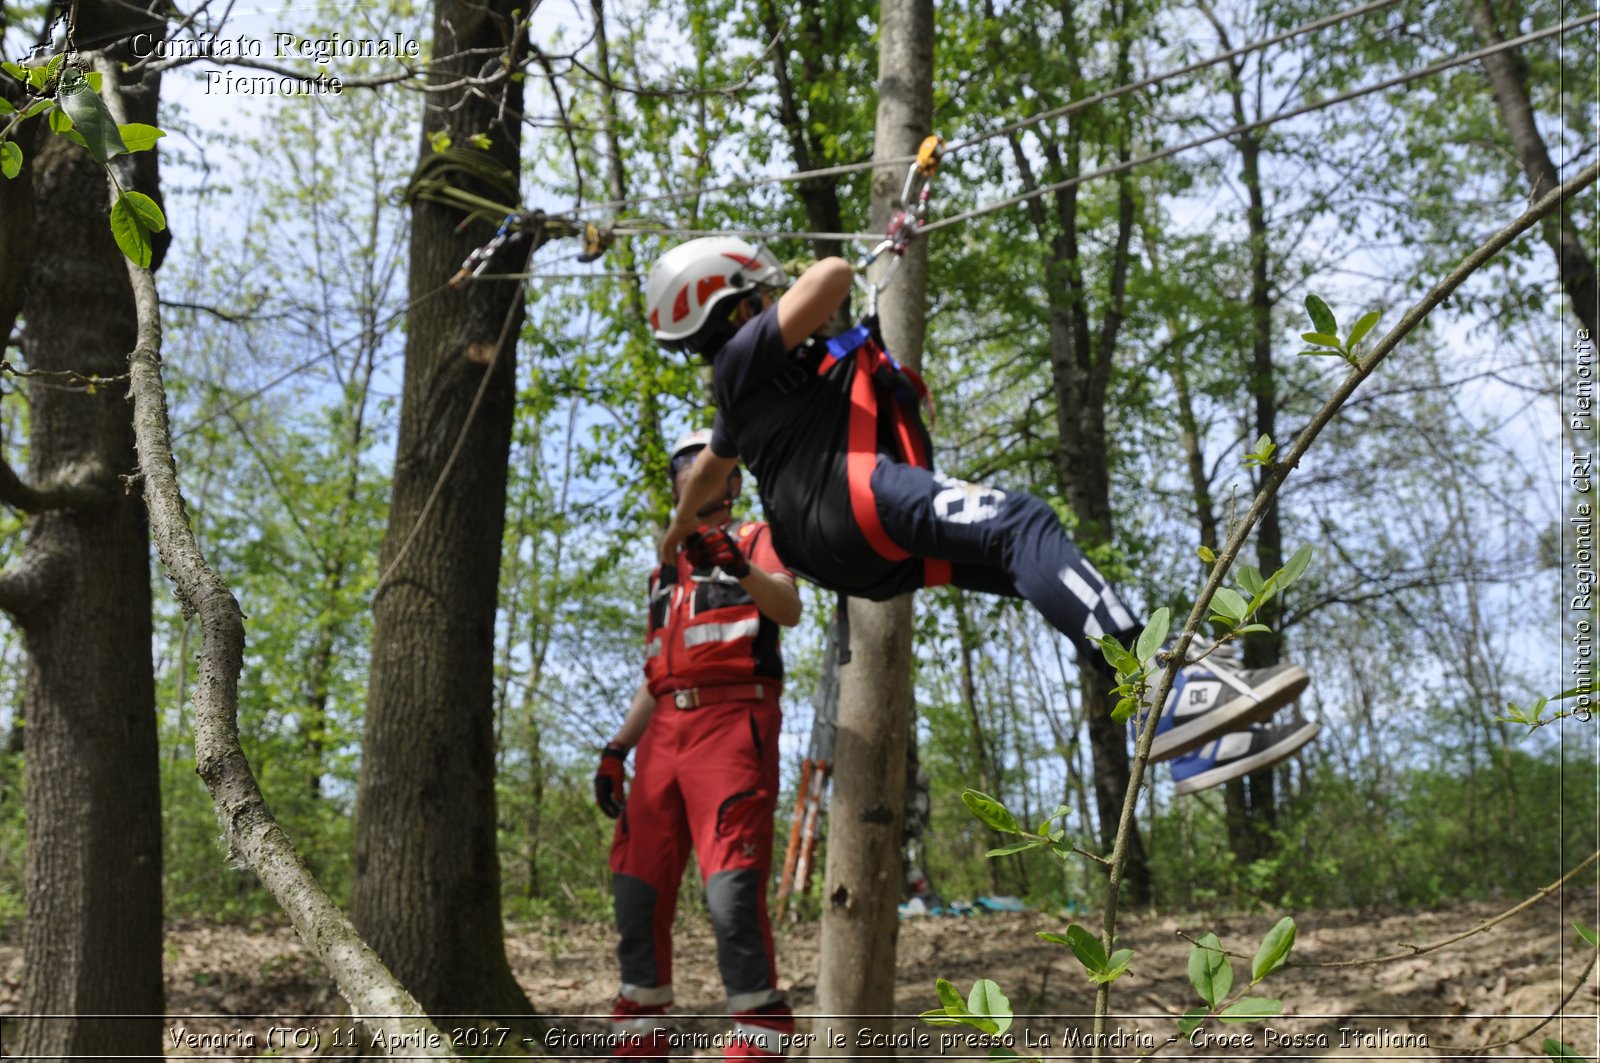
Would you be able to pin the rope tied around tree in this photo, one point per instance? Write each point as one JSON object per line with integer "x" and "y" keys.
{"x": 440, "y": 177}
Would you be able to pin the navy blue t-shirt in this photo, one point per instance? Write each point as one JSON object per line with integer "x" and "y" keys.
{"x": 790, "y": 427}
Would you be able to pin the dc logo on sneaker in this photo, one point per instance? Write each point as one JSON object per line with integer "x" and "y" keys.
{"x": 1199, "y": 695}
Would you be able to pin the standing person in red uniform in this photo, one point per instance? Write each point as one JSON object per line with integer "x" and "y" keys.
{"x": 705, "y": 721}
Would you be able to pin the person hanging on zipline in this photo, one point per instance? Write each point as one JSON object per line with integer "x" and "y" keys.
{"x": 829, "y": 429}
{"x": 705, "y": 721}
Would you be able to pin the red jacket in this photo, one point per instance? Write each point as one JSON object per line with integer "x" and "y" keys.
{"x": 704, "y": 628}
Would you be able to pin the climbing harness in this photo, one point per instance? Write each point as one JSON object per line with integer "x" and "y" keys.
{"x": 887, "y": 401}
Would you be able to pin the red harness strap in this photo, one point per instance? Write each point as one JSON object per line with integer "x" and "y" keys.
{"x": 862, "y": 444}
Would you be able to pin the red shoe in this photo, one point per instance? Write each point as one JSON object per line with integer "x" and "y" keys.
{"x": 761, "y": 1033}
{"x": 639, "y": 1030}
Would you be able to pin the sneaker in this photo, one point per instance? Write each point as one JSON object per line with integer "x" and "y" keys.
{"x": 1217, "y": 695}
{"x": 762, "y": 1032}
{"x": 639, "y": 1028}
{"x": 1240, "y": 753}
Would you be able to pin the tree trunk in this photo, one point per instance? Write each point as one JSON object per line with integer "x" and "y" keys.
{"x": 1508, "y": 77}
{"x": 1251, "y": 804}
{"x": 862, "y": 887}
{"x": 92, "y": 933}
{"x": 427, "y": 875}
{"x": 1081, "y": 363}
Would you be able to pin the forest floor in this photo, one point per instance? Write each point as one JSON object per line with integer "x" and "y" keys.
{"x": 1465, "y": 999}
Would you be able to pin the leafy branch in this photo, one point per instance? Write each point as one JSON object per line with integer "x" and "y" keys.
{"x": 1362, "y": 368}
{"x": 1325, "y": 336}
{"x": 76, "y": 112}
{"x": 1533, "y": 716}
{"x": 1211, "y": 974}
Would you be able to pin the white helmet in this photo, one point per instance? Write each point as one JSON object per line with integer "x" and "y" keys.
{"x": 689, "y": 443}
{"x": 686, "y": 282}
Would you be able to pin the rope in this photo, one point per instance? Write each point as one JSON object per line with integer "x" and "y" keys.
{"x": 437, "y": 179}
{"x": 1324, "y": 22}
{"x": 1389, "y": 83}
{"x": 759, "y": 234}
{"x": 1121, "y": 90}
{"x": 514, "y": 304}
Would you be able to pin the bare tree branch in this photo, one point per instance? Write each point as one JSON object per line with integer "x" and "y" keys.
{"x": 253, "y": 834}
{"x": 26, "y": 586}
{"x": 83, "y": 487}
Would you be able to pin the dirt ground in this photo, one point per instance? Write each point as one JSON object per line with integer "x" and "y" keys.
{"x": 227, "y": 986}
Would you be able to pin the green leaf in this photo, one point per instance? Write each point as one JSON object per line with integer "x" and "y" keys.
{"x": 1318, "y": 353}
{"x": 987, "y": 1000}
{"x": 60, "y": 122}
{"x": 1557, "y": 1050}
{"x": 1007, "y": 850}
{"x": 990, "y": 811}
{"x": 1250, "y": 629}
{"x": 1250, "y": 579}
{"x": 1115, "y": 967}
{"x": 1230, "y": 603}
{"x": 1044, "y": 827}
{"x": 1192, "y": 1020}
{"x": 1296, "y": 566}
{"x": 949, "y": 996}
{"x": 37, "y": 107}
{"x": 1116, "y": 654}
{"x": 1249, "y": 1009}
{"x": 90, "y": 117}
{"x": 1363, "y": 326}
{"x": 1209, "y": 970}
{"x": 1327, "y": 339}
{"x": 93, "y": 78}
{"x": 1321, "y": 316}
{"x": 1125, "y": 708}
{"x": 1587, "y": 934}
{"x": 136, "y": 136}
{"x": 15, "y": 71}
{"x": 1274, "y": 950}
{"x": 1086, "y": 947}
{"x": 939, "y": 1018}
{"x": 1154, "y": 635}
{"x": 6, "y": 108}
{"x": 480, "y": 141}
{"x": 1206, "y": 555}
{"x": 1059, "y": 939}
{"x": 10, "y": 159}
{"x": 134, "y": 217}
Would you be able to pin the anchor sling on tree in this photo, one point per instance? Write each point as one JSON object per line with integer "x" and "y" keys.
{"x": 706, "y": 723}
{"x": 829, "y": 429}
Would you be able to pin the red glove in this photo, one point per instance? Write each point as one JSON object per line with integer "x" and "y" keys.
{"x": 609, "y": 778}
{"x": 713, "y": 548}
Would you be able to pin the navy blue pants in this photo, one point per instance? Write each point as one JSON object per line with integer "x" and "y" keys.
{"x": 1000, "y": 542}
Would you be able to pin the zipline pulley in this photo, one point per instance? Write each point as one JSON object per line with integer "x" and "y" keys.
{"x": 908, "y": 220}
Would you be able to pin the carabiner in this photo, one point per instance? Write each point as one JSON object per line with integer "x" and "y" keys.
{"x": 475, "y": 263}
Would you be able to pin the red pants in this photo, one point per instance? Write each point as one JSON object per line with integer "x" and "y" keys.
{"x": 706, "y": 776}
